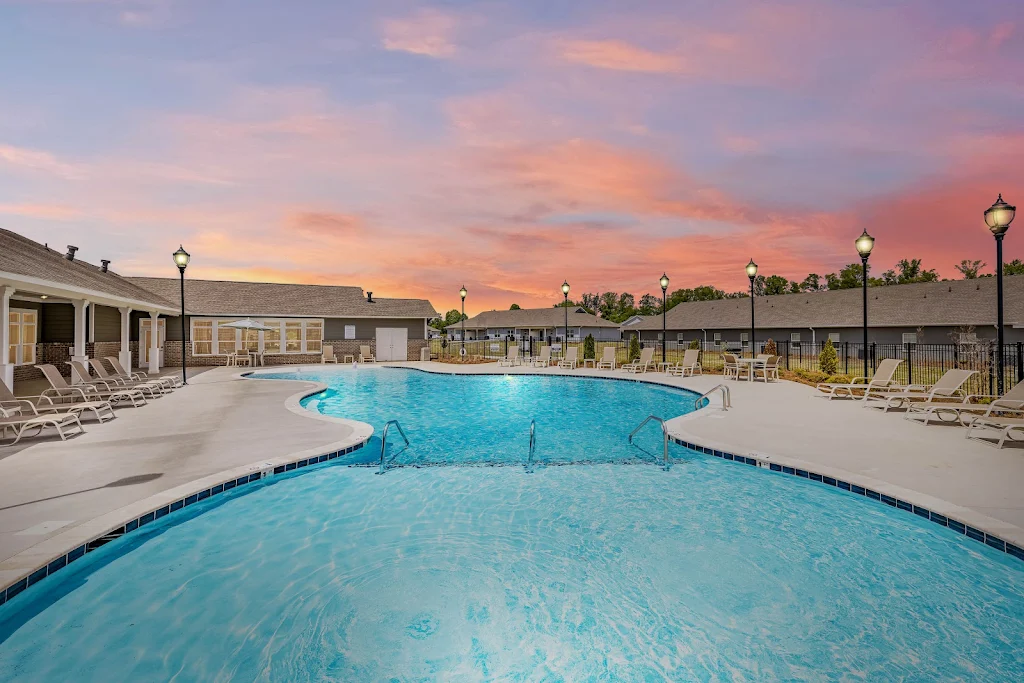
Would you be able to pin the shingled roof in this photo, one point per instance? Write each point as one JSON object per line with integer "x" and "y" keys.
{"x": 267, "y": 299}
{"x": 537, "y": 318}
{"x": 929, "y": 304}
{"x": 20, "y": 256}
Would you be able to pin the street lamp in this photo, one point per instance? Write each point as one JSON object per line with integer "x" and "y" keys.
{"x": 463, "y": 293}
{"x": 181, "y": 259}
{"x": 752, "y": 274}
{"x": 865, "y": 243}
{"x": 565, "y": 305}
{"x": 664, "y": 336}
{"x": 998, "y": 218}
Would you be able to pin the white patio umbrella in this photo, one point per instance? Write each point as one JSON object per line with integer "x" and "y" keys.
{"x": 248, "y": 324}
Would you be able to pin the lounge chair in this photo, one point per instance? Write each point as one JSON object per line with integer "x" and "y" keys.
{"x": 20, "y": 423}
{"x": 42, "y": 405}
{"x": 1007, "y": 428}
{"x": 152, "y": 387}
{"x": 120, "y": 371}
{"x": 607, "y": 361}
{"x": 328, "y": 355}
{"x": 570, "y": 360}
{"x": 689, "y": 365}
{"x": 769, "y": 370}
{"x": 949, "y": 389}
{"x": 1010, "y": 402}
{"x": 882, "y": 380}
{"x": 544, "y": 359}
{"x": 365, "y": 356}
{"x": 86, "y": 392}
{"x": 642, "y": 363}
{"x": 512, "y": 358}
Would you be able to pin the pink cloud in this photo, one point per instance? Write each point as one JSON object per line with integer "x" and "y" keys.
{"x": 618, "y": 55}
{"x": 428, "y": 32}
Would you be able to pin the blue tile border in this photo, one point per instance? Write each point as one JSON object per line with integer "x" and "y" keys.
{"x": 38, "y": 574}
{"x": 952, "y": 524}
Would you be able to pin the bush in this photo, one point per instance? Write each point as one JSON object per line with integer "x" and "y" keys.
{"x": 828, "y": 359}
{"x": 770, "y": 348}
{"x": 695, "y": 344}
{"x": 634, "y": 348}
{"x": 589, "y": 350}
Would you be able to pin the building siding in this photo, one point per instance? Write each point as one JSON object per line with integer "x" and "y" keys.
{"x": 108, "y": 324}
{"x": 58, "y": 323}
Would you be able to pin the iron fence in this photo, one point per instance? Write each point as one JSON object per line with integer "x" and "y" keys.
{"x": 922, "y": 363}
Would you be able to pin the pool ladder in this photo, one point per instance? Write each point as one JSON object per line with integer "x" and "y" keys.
{"x": 384, "y": 443}
{"x": 726, "y": 397}
{"x": 666, "y": 461}
{"x": 533, "y": 446}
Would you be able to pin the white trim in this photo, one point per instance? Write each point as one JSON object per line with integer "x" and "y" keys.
{"x": 40, "y": 286}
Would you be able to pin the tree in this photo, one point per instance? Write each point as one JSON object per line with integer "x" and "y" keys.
{"x": 848, "y": 278}
{"x": 812, "y": 283}
{"x": 608, "y": 302}
{"x": 828, "y": 359}
{"x": 695, "y": 344}
{"x": 969, "y": 269}
{"x": 1014, "y": 267}
{"x": 450, "y": 318}
{"x": 589, "y": 348}
{"x": 649, "y": 305}
{"x": 775, "y": 285}
{"x": 514, "y": 307}
{"x": 591, "y": 302}
{"x": 634, "y": 347}
{"x": 909, "y": 271}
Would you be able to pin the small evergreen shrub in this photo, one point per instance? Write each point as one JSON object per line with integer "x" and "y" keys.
{"x": 589, "y": 348}
{"x": 634, "y": 348}
{"x": 695, "y": 344}
{"x": 828, "y": 359}
{"x": 770, "y": 348}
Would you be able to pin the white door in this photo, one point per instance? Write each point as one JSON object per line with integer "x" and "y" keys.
{"x": 392, "y": 343}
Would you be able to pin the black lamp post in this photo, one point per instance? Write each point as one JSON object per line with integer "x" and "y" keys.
{"x": 664, "y": 335}
{"x": 865, "y": 243}
{"x": 752, "y": 274}
{"x": 463, "y": 293}
{"x": 181, "y": 259}
{"x": 998, "y": 218}
{"x": 565, "y": 305}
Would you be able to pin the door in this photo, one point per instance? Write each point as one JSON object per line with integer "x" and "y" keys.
{"x": 392, "y": 343}
{"x": 146, "y": 337}
{"x": 22, "y": 326}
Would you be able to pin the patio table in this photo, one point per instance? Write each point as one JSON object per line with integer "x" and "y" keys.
{"x": 664, "y": 366}
{"x": 752, "y": 363}
{"x": 348, "y": 358}
{"x": 590, "y": 363}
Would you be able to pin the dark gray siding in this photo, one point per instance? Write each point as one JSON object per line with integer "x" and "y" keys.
{"x": 877, "y": 335}
{"x": 108, "y": 324}
{"x": 58, "y": 324}
{"x": 366, "y": 328}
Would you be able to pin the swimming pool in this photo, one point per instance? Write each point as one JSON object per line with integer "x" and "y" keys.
{"x": 710, "y": 571}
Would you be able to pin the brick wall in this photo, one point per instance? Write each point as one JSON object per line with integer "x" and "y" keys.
{"x": 172, "y": 353}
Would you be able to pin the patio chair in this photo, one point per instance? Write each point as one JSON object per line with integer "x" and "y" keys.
{"x": 769, "y": 370}
{"x": 1007, "y": 429}
{"x": 172, "y": 381}
{"x": 881, "y": 381}
{"x": 544, "y": 359}
{"x": 570, "y": 359}
{"x": 947, "y": 390}
{"x": 364, "y": 354}
{"x": 732, "y": 367}
{"x": 642, "y": 363}
{"x": 110, "y": 390}
{"x": 240, "y": 357}
{"x": 1010, "y": 402}
{"x": 607, "y": 361}
{"x": 512, "y": 358}
{"x": 152, "y": 387}
{"x": 86, "y": 392}
{"x": 20, "y": 423}
{"x": 328, "y": 355}
{"x": 43, "y": 405}
{"x": 689, "y": 365}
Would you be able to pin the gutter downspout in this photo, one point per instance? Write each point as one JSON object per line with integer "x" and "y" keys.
{"x": 705, "y": 338}
{"x": 813, "y": 339}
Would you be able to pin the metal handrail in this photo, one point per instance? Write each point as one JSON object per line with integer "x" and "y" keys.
{"x": 666, "y": 463}
{"x": 384, "y": 442}
{"x": 533, "y": 445}
{"x": 726, "y": 397}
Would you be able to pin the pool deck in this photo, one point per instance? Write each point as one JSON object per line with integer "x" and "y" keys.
{"x": 55, "y": 495}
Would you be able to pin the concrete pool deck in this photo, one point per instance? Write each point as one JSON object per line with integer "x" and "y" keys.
{"x": 53, "y": 494}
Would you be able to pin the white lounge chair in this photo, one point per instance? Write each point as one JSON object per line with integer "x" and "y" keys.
{"x": 642, "y": 363}
{"x": 1007, "y": 429}
{"x": 512, "y": 358}
{"x": 570, "y": 359}
{"x": 85, "y": 392}
{"x": 690, "y": 365}
{"x": 607, "y": 361}
{"x": 119, "y": 370}
{"x": 544, "y": 359}
{"x": 881, "y": 380}
{"x": 364, "y": 354}
{"x": 19, "y": 423}
{"x": 152, "y": 387}
{"x": 949, "y": 389}
{"x": 328, "y": 355}
{"x": 1010, "y": 402}
{"x": 42, "y": 405}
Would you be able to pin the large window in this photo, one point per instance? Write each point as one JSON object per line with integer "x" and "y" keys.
{"x": 290, "y": 335}
{"x": 22, "y": 326}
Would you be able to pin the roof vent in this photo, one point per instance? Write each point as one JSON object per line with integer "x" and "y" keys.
{"x": 70, "y": 256}
{"x": 104, "y": 265}
{"x": 369, "y": 297}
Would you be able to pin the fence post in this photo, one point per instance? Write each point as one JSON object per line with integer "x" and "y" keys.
{"x": 991, "y": 364}
{"x": 874, "y": 357}
{"x": 787, "y": 354}
{"x": 846, "y": 358}
{"x": 1020, "y": 361}
{"x": 910, "y": 363}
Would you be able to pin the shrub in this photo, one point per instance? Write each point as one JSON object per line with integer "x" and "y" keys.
{"x": 634, "y": 347}
{"x": 589, "y": 350}
{"x": 828, "y": 359}
{"x": 770, "y": 348}
{"x": 695, "y": 344}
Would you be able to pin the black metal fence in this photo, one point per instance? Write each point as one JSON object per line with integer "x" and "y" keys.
{"x": 922, "y": 363}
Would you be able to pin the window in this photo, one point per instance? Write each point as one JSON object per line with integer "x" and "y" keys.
{"x": 744, "y": 337}
{"x": 659, "y": 336}
{"x": 833, "y": 337}
{"x": 910, "y": 337}
{"x": 680, "y": 337}
{"x": 22, "y": 327}
{"x": 211, "y": 337}
{"x": 293, "y": 336}
{"x": 794, "y": 337}
{"x": 202, "y": 337}
{"x": 718, "y": 336}
{"x": 350, "y": 331}
{"x": 314, "y": 336}
{"x": 272, "y": 337}
{"x": 226, "y": 337}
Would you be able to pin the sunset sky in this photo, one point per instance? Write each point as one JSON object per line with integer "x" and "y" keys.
{"x": 409, "y": 148}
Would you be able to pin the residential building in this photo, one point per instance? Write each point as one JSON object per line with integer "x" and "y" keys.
{"x": 536, "y": 324}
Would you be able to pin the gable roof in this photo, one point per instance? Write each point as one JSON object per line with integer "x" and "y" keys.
{"x": 26, "y": 259}
{"x": 268, "y": 299}
{"x": 950, "y": 303}
{"x": 538, "y": 318}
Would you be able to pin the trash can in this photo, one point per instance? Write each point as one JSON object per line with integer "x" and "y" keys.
{"x": 425, "y": 353}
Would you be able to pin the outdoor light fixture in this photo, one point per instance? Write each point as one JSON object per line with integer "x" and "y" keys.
{"x": 664, "y": 334}
{"x": 865, "y": 243}
{"x": 752, "y": 274}
{"x": 181, "y": 259}
{"x": 998, "y": 218}
{"x": 463, "y": 293}
{"x": 565, "y": 305}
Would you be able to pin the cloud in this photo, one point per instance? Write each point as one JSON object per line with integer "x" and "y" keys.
{"x": 428, "y": 32}
{"x": 40, "y": 211}
{"x": 38, "y": 160}
{"x": 618, "y": 55}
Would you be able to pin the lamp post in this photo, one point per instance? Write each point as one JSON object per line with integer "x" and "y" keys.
{"x": 463, "y": 293}
{"x": 998, "y": 218}
{"x": 664, "y": 335}
{"x": 565, "y": 305}
{"x": 865, "y": 243}
{"x": 181, "y": 259}
{"x": 752, "y": 274}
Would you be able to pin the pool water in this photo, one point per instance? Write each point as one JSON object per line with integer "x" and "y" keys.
{"x": 486, "y": 419}
{"x": 711, "y": 571}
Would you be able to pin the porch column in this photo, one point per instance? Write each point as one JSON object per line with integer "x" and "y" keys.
{"x": 124, "y": 356}
{"x": 154, "y": 342}
{"x": 6, "y": 368}
{"x": 78, "y": 352}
